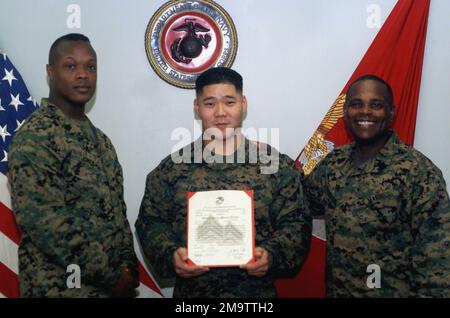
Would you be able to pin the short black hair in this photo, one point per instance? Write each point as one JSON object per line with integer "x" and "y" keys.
{"x": 375, "y": 78}
{"x": 71, "y": 37}
{"x": 219, "y": 75}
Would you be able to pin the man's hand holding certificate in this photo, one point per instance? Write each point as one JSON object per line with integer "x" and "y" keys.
{"x": 260, "y": 267}
{"x": 181, "y": 266}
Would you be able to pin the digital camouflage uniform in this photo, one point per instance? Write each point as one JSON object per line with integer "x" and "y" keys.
{"x": 67, "y": 196}
{"x": 282, "y": 221}
{"x": 392, "y": 211}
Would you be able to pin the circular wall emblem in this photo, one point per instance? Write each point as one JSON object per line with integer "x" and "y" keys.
{"x": 185, "y": 38}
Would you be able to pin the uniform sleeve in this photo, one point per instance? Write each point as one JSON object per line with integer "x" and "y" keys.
{"x": 37, "y": 193}
{"x": 314, "y": 186}
{"x": 291, "y": 220}
{"x": 127, "y": 254}
{"x": 154, "y": 223}
{"x": 126, "y": 250}
{"x": 431, "y": 234}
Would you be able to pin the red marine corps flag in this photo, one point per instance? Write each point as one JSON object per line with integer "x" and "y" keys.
{"x": 396, "y": 55}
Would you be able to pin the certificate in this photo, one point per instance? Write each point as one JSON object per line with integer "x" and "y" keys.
{"x": 220, "y": 228}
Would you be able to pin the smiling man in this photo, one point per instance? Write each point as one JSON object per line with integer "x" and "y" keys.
{"x": 67, "y": 192}
{"x": 386, "y": 207}
{"x": 281, "y": 218}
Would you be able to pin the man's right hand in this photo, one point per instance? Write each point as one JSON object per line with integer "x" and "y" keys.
{"x": 182, "y": 268}
{"x": 125, "y": 287}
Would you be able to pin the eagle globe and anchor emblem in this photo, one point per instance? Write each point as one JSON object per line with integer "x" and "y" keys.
{"x": 185, "y": 38}
{"x": 220, "y": 200}
{"x": 189, "y": 47}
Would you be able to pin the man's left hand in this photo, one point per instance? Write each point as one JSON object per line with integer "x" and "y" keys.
{"x": 261, "y": 265}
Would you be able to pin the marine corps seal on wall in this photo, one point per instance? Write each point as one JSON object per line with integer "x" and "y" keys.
{"x": 185, "y": 38}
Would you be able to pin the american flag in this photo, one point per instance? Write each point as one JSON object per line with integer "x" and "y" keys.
{"x": 16, "y": 104}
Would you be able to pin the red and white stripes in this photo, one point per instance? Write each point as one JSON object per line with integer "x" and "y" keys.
{"x": 9, "y": 243}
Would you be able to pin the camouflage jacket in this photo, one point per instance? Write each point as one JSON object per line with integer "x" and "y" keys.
{"x": 282, "y": 221}
{"x": 67, "y": 196}
{"x": 392, "y": 211}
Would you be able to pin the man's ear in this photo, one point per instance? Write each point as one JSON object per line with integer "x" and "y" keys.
{"x": 196, "y": 106}
{"x": 392, "y": 114}
{"x": 50, "y": 73}
{"x": 244, "y": 104}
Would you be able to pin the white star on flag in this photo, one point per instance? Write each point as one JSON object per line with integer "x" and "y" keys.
{"x": 9, "y": 76}
{"x": 31, "y": 99}
{"x": 19, "y": 124}
{"x": 15, "y": 101}
{"x": 4, "y": 133}
{"x": 1, "y": 107}
{"x": 5, "y": 156}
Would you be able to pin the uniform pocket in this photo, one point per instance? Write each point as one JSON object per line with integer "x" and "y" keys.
{"x": 385, "y": 207}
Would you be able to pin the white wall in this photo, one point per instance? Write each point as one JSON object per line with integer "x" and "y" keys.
{"x": 295, "y": 57}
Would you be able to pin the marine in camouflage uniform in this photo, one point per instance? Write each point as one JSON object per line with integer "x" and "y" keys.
{"x": 222, "y": 159}
{"x": 282, "y": 221}
{"x": 67, "y": 192}
{"x": 393, "y": 211}
{"x": 67, "y": 197}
